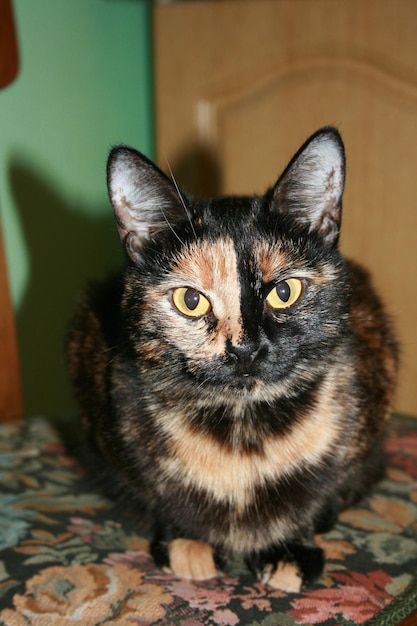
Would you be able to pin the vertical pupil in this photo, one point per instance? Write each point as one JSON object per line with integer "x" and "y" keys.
{"x": 191, "y": 299}
{"x": 283, "y": 291}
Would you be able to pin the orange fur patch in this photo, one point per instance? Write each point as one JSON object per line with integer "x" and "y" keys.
{"x": 191, "y": 559}
{"x": 212, "y": 269}
{"x": 286, "y": 578}
{"x": 272, "y": 260}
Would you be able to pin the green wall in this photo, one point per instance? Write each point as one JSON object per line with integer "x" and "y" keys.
{"x": 84, "y": 85}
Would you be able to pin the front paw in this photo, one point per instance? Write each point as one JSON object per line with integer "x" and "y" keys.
{"x": 285, "y": 576}
{"x": 288, "y": 568}
{"x": 191, "y": 559}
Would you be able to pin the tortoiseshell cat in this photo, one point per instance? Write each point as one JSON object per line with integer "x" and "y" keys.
{"x": 238, "y": 375}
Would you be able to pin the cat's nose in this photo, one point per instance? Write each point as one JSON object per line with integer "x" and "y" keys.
{"x": 244, "y": 355}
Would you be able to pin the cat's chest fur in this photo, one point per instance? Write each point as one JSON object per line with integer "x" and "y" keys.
{"x": 234, "y": 472}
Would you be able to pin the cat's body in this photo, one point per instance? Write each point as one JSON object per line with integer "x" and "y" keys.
{"x": 239, "y": 375}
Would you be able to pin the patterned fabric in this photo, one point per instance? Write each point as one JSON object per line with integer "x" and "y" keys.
{"x": 69, "y": 556}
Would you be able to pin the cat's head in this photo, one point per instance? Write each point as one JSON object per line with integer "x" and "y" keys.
{"x": 238, "y": 295}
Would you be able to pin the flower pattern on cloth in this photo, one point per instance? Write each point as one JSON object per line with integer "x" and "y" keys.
{"x": 68, "y": 555}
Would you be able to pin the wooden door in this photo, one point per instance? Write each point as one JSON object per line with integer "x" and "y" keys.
{"x": 241, "y": 84}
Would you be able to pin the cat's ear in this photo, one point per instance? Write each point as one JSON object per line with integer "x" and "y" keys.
{"x": 311, "y": 187}
{"x": 144, "y": 199}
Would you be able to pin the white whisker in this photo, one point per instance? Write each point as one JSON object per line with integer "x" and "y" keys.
{"x": 171, "y": 227}
{"x": 181, "y": 198}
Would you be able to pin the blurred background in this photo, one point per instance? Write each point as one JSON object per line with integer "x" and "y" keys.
{"x": 83, "y": 85}
{"x": 223, "y": 93}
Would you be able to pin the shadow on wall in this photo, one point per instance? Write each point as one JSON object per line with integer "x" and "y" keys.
{"x": 66, "y": 248}
{"x": 198, "y": 171}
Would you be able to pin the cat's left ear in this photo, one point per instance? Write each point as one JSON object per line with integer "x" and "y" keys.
{"x": 145, "y": 201}
{"x": 310, "y": 189}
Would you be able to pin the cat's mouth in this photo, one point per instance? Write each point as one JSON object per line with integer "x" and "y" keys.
{"x": 245, "y": 383}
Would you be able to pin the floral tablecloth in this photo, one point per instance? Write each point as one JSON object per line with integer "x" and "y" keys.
{"x": 70, "y": 556}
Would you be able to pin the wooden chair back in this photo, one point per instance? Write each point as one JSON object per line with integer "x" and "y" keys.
{"x": 10, "y": 386}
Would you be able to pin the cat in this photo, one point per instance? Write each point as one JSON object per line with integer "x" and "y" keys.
{"x": 238, "y": 375}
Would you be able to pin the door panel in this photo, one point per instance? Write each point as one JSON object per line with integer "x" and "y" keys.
{"x": 239, "y": 87}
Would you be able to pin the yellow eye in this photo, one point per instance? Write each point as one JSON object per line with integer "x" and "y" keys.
{"x": 190, "y": 302}
{"x": 285, "y": 293}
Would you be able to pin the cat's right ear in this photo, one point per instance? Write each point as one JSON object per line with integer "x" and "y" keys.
{"x": 144, "y": 199}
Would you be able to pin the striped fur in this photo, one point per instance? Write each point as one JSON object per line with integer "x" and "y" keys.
{"x": 246, "y": 429}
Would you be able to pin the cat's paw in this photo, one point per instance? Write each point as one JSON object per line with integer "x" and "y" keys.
{"x": 286, "y": 577}
{"x": 191, "y": 559}
{"x": 287, "y": 567}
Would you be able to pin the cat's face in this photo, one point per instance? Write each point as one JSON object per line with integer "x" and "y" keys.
{"x": 235, "y": 295}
